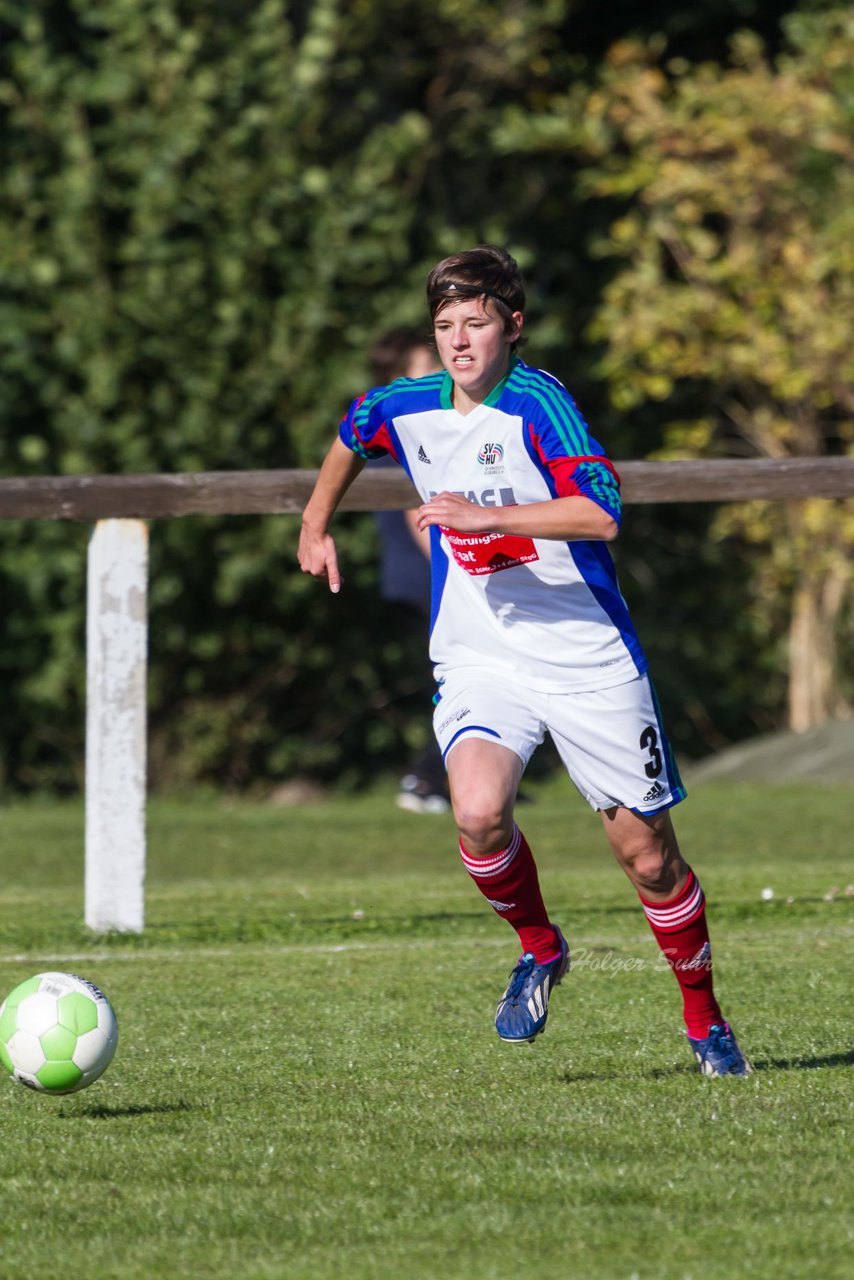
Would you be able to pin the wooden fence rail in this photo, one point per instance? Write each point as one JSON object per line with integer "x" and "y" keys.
{"x": 148, "y": 497}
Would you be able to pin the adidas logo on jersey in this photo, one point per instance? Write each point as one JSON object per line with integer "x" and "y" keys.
{"x": 422, "y": 456}
{"x": 655, "y": 792}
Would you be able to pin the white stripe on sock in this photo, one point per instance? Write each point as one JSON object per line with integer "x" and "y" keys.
{"x": 677, "y": 915}
{"x": 497, "y": 863}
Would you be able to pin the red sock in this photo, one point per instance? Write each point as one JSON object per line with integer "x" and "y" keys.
{"x": 682, "y": 933}
{"x": 509, "y": 882}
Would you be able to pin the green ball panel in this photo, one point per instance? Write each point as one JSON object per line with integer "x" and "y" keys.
{"x": 59, "y": 1077}
{"x": 8, "y": 1023}
{"x": 58, "y": 1044}
{"x": 28, "y": 988}
{"x": 5, "y": 1059}
{"x": 77, "y": 1012}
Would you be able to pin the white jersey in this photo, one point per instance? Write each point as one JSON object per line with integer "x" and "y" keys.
{"x": 544, "y": 611}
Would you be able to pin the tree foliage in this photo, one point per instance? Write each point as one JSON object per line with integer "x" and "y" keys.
{"x": 207, "y": 213}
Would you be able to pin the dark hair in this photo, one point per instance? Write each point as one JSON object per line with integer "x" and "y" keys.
{"x": 389, "y": 355}
{"x": 485, "y": 272}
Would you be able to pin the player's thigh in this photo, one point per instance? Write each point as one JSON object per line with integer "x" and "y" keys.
{"x": 615, "y": 748}
{"x": 483, "y": 778}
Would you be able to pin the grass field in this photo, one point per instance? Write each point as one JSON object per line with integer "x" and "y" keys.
{"x": 308, "y": 1082}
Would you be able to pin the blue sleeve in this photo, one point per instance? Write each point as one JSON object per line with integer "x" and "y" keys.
{"x": 364, "y": 428}
{"x": 572, "y": 462}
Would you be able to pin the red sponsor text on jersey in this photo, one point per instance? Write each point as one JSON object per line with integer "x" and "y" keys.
{"x": 480, "y": 553}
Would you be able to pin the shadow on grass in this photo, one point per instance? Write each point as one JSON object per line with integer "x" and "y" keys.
{"x": 805, "y": 1064}
{"x": 760, "y": 1065}
{"x": 654, "y": 1073}
{"x": 118, "y": 1113}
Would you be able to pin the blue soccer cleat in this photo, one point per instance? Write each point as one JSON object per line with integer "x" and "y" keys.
{"x": 523, "y": 1009}
{"x": 718, "y": 1054}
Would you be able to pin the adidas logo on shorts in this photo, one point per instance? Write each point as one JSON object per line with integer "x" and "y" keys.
{"x": 655, "y": 792}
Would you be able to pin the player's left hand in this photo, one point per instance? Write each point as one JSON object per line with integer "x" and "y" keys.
{"x": 453, "y": 511}
{"x": 318, "y": 556}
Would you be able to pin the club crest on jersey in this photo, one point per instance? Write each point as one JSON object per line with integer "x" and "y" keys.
{"x": 491, "y": 457}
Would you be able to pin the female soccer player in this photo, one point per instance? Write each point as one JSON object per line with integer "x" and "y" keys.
{"x": 529, "y": 631}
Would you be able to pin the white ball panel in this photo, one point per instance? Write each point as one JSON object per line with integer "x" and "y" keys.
{"x": 94, "y": 1052}
{"x": 37, "y": 1013}
{"x": 26, "y": 1052}
{"x": 107, "y": 1020}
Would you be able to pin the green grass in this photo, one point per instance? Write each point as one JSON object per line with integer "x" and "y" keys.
{"x": 308, "y": 1083}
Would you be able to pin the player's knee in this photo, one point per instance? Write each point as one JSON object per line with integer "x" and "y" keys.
{"x": 644, "y": 858}
{"x": 651, "y": 871}
{"x": 483, "y": 824}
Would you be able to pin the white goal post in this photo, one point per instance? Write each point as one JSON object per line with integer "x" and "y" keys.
{"x": 116, "y": 663}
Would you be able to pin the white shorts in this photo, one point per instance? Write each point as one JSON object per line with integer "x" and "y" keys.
{"x": 611, "y": 741}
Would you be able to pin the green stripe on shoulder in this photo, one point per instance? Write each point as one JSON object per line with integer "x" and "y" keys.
{"x": 364, "y": 409}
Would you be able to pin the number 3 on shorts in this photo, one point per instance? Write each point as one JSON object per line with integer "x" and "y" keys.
{"x": 649, "y": 742}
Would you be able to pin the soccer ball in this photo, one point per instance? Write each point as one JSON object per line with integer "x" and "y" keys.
{"x": 58, "y": 1033}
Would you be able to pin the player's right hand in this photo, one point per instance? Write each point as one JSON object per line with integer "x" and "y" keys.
{"x": 317, "y": 555}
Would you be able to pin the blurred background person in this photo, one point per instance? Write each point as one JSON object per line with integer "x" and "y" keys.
{"x": 405, "y": 352}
